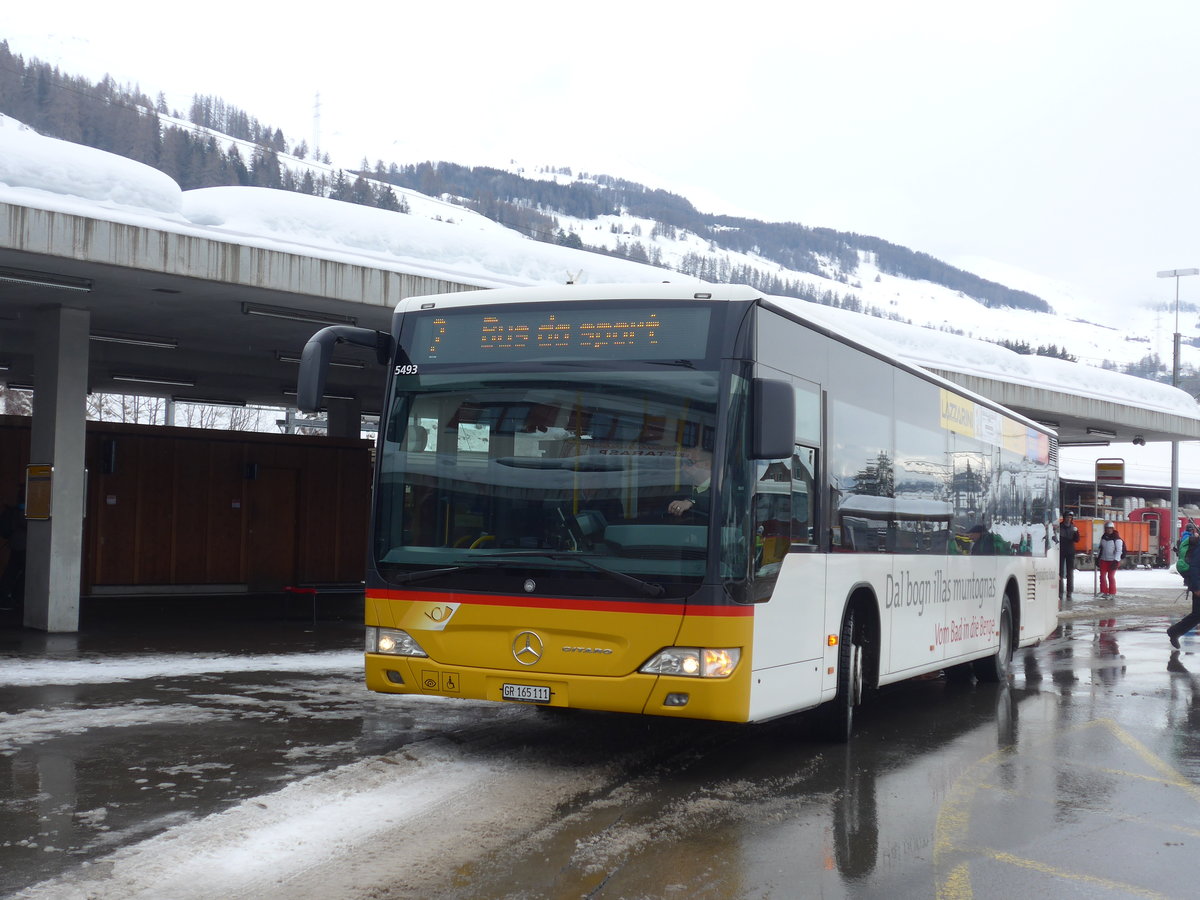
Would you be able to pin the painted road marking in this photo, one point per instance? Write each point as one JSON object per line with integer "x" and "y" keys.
{"x": 953, "y": 851}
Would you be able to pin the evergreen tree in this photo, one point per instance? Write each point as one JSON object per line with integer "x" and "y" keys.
{"x": 339, "y": 189}
{"x": 385, "y": 198}
{"x": 237, "y": 168}
{"x": 264, "y": 169}
{"x": 360, "y": 192}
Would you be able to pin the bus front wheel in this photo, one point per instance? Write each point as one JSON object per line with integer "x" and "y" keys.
{"x": 839, "y": 713}
{"x": 995, "y": 668}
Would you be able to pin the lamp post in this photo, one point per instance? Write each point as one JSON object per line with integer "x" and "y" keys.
{"x": 1176, "y": 274}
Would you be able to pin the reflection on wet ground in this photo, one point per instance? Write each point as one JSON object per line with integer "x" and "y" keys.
{"x": 1079, "y": 778}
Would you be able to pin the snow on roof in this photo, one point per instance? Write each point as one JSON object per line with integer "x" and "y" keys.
{"x": 45, "y": 173}
{"x": 944, "y": 351}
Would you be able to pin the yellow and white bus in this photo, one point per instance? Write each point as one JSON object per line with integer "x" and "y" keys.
{"x": 686, "y": 502}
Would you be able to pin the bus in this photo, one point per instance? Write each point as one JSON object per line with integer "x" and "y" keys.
{"x": 698, "y": 502}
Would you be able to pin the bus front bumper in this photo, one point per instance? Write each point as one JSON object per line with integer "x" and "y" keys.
{"x": 722, "y": 699}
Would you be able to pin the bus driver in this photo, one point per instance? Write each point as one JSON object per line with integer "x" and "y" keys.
{"x": 698, "y": 465}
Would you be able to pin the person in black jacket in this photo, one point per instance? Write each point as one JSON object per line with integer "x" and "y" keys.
{"x": 1068, "y": 536}
{"x": 1192, "y": 577}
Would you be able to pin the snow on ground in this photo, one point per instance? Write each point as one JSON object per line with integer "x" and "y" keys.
{"x": 44, "y": 724}
{"x": 36, "y": 725}
{"x": 316, "y": 837}
{"x": 447, "y": 796}
{"x": 1134, "y": 580}
{"x": 108, "y": 669}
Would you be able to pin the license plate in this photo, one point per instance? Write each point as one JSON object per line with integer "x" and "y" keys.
{"x": 526, "y": 693}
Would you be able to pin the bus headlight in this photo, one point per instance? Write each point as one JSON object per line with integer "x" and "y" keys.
{"x": 694, "y": 662}
{"x": 393, "y": 642}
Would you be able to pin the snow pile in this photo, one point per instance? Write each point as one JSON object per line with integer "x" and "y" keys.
{"x": 33, "y": 162}
{"x": 474, "y": 249}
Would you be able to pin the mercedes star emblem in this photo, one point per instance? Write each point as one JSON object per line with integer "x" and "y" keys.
{"x": 527, "y": 648}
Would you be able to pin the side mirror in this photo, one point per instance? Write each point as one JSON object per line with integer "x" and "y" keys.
{"x": 314, "y": 361}
{"x": 772, "y": 419}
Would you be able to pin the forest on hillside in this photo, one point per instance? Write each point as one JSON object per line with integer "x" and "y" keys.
{"x": 215, "y": 143}
{"x": 125, "y": 121}
{"x": 529, "y": 204}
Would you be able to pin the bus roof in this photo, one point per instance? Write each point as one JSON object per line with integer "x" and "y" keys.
{"x": 582, "y": 292}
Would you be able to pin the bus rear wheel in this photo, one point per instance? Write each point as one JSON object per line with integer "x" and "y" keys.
{"x": 995, "y": 668}
{"x": 839, "y": 712}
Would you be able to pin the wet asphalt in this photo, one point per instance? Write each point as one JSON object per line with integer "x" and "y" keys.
{"x": 199, "y": 743}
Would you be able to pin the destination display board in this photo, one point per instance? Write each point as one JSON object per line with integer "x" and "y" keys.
{"x": 659, "y": 331}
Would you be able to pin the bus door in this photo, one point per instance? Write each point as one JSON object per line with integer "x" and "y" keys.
{"x": 788, "y": 572}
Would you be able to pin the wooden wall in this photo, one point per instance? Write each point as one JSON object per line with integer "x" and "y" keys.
{"x": 179, "y": 508}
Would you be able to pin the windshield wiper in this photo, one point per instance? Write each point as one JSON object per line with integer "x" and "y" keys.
{"x": 446, "y": 570}
{"x": 645, "y": 587}
{"x": 425, "y": 573}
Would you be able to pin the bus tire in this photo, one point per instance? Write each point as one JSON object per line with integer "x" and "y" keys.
{"x": 839, "y": 712}
{"x": 995, "y": 668}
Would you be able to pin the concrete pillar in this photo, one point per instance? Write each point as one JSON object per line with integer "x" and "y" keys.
{"x": 345, "y": 418}
{"x": 55, "y": 556}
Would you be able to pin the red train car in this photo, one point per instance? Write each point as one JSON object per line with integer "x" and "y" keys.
{"x": 1162, "y": 535}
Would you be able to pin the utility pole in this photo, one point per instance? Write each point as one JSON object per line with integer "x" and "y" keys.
{"x": 1176, "y": 274}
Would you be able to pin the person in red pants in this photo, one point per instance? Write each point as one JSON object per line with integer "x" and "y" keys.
{"x": 1108, "y": 556}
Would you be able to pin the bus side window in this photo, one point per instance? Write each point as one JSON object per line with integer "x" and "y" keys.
{"x": 772, "y": 515}
{"x": 804, "y": 499}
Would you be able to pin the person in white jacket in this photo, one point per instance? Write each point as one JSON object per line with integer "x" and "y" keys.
{"x": 1108, "y": 556}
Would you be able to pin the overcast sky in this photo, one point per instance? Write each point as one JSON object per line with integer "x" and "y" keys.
{"x": 1056, "y": 136}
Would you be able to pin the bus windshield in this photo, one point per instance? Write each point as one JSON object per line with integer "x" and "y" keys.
{"x": 582, "y": 483}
